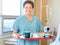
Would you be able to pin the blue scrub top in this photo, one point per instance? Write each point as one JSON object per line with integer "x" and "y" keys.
{"x": 22, "y": 24}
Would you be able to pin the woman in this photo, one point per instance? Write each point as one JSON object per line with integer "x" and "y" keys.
{"x": 27, "y": 22}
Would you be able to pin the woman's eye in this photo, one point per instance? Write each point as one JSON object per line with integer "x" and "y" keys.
{"x": 30, "y": 7}
{"x": 26, "y": 7}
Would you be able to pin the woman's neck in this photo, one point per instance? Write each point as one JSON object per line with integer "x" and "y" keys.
{"x": 29, "y": 17}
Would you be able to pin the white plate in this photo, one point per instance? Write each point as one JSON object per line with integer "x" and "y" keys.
{"x": 21, "y": 36}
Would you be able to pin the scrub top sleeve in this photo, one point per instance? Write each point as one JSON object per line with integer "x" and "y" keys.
{"x": 15, "y": 25}
{"x": 40, "y": 26}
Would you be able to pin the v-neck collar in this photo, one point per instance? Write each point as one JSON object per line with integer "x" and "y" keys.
{"x": 28, "y": 20}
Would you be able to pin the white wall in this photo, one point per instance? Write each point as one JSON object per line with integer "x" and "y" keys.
{"x": 54, "y": 14}
{"x": 0, "y": 25}
{"x": 0, "y": 7}
{"x": 0, "y": 19}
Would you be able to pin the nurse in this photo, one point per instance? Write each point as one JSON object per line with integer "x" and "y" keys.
{"x": 27, "y": 22}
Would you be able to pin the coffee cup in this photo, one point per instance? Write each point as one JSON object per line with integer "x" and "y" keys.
{"x": 27, "y": 34}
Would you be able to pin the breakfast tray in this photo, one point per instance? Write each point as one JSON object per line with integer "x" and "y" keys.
{"x": 52, "y": 37}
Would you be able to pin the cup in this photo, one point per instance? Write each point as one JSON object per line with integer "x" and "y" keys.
{"x": 27, "y": 34}
{"x": 35, "y": 35}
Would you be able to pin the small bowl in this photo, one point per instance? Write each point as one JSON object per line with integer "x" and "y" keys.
{"x": 47, "y": 35}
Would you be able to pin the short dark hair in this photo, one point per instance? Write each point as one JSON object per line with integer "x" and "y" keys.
{"x": 28, "y": 2}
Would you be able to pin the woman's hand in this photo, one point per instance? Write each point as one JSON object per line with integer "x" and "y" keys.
{"x": 15, "y": 34}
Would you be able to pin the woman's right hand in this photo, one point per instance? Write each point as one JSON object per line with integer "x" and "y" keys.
{"x": 15, "y": 34}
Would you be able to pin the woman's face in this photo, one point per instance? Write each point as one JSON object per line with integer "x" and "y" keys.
{"x": 28, "y": 9}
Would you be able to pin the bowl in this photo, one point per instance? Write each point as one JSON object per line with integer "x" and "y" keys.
{"x": 47, "y": 35}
